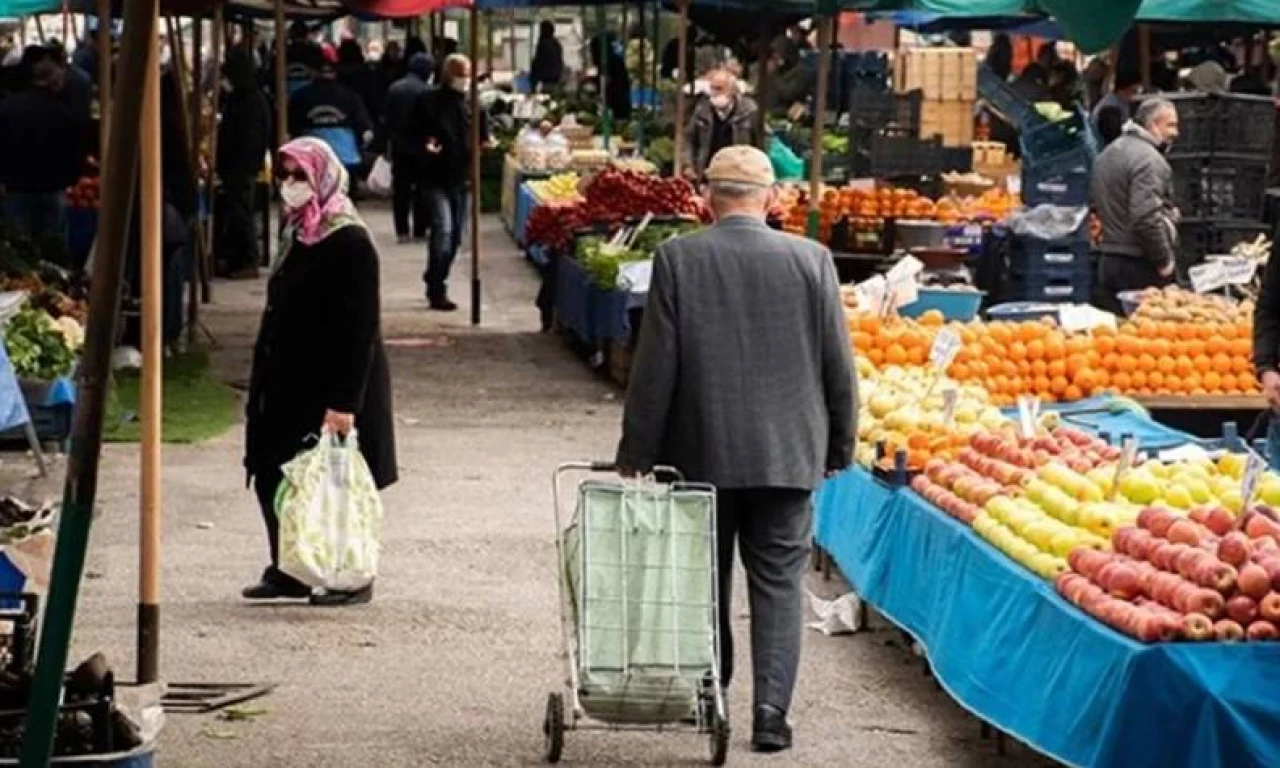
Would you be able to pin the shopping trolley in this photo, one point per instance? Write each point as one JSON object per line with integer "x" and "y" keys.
{"x": 639, "y": 601}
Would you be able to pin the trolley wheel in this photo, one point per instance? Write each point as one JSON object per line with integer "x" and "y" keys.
{"x": 553, "y": 728}
{"x": 719, "y": 739}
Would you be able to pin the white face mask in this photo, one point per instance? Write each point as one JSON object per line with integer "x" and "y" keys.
{"x": 461, "y": 84}
{"x": 721, "y": 101}
{"x": 295, "y": 194}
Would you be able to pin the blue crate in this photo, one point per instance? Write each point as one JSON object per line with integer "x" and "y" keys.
{"x": 1032, "y": 255}
{"x": 1000, "y": 94}
{"x": 1050, "y": 146}
{"x": 1068, "y": 187}
{"x": 953, "y": 304}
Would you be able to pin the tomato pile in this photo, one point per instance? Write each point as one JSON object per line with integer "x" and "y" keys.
{"x": 613, "y": 197}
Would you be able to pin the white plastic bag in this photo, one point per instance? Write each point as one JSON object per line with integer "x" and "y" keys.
{"x": 330, "y": 517}
{"x": 379, "y": 180}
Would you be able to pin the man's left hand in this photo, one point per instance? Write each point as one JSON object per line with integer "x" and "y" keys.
{"x": 627, "y": 472}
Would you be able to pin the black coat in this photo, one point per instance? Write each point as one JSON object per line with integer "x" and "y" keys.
{"x": 1266, "y": 322}
{"x": 443, "y": 114}
{"x": 404, "y": 130}
{"x": 41, "y": 143}
{"x": 244, "y": 134}
{"x": 320, "y": 348}
{"x": 548, "y": 63}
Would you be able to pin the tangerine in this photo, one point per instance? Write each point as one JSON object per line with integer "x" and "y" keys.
{"x": 1035, "y": 349}
{"x": 932, "y": 319}
{"x": 1073, "y": 392}
{"x": 1213, "y": 381}
{"x": 1121, "y": 381}
{"x": 895, "y": 355}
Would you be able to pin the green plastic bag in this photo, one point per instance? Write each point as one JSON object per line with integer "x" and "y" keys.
{"x": 330, "y": 517}
{"x": 787, "y": 166}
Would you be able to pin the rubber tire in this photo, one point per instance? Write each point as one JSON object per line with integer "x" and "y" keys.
{"x": 719, "y": 739}
{"x": 553, "y": 728}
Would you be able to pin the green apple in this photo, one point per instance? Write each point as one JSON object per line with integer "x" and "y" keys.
{"x": 1065, "y": 541}
{"x": 1037, "y": 488}
{"x": 1179, "y": 496}
{"x": 1269, "y": 490}
{"x": 1140, "y": 487}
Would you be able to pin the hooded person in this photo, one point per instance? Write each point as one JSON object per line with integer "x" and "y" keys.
{"x": 547, "y": 69}
{"x": 244, "y": 136}
{"x": 327, "y": 110}
{"x": 407, "y": 148}
{"x": 319, "y": 365}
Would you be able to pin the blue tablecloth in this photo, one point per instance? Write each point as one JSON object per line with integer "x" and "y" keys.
{"x": 526, "y": 201}
{"x": 593, "y": 315}
{"x": 13, "y": 406}
{"x": 1010, "y": 650}
{"x": 1099, "y": 414}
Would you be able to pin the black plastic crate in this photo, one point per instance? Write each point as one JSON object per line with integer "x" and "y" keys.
{"x": 1205, "y": 188}
{"x": 1072, "y": 288}
{"x": 955, "y": 159}
{"x": 1049, "y": 145}
{"x": 1198, "y": 238}
{"x": 899, "y": 154}
{"x": 1069, "y": 187}
{"x": 1228, "y": 123}
{"x": 1062, "y": 257}
{"x": 1000, "y": 94}
{"x": 871, "y": 111}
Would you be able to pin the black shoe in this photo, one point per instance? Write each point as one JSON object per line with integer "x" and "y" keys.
{"x": 441, "y": 304}
{"x": 770, "y": 732}
{"x": 334, "y": 597}
{"x": 403, "y": 240}
{"x": 275, "y": 585}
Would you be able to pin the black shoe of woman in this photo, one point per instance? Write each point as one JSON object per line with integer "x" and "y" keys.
{"x": 334, "y": 597}
{"x": 276, "y": 585}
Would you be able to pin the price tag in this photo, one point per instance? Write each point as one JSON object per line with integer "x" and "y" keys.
{"x": 1028, "y": 412}
{"x": 949, "y": 397}
{"x": 1253, "y": 470}
{"x": 945, "y": 347}
{"x": 1207, "y": 277}
{"x": 1075, "y": 317}
{"x": 871, "y": 294}
{"x": 902, "y": 292}
{"x": 1238, "y": 271}
{"x": 1128, "y": 453}
{"x": 906, "y": 269}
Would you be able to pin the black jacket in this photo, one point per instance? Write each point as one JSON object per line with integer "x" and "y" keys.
{"x": 442, "y": 114}
{"x": 1266, "y": 322}
{"x": 548, "y": 63}
{"x": 403, "y": 130}
{"x": 41, "y": 143}
{"x": 320, "y": 348}
{"x": 245, "y": 131}
{"x": 325, "y": 103}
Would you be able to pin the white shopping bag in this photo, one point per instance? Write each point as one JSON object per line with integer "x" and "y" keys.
{"x": 379, "y": 180}
{"x": 330, "y": 517}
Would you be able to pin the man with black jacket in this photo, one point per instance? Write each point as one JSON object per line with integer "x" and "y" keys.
{"x": 444, "y": 115}
{"x": 331, "y": 112}
{"x": 243, "y": 138}
{"x": 408, "y": 148}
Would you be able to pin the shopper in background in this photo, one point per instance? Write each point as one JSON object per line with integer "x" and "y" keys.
{"x": 1116, "y": 108}
{"x": 547, "y": 70}
{"x": 611, "y": 80}
{"x": 638, "y": 55}
{"x": 408, "y": 149}
{"x": 722, "y": 118}
{"x": 743, "y": 378}
{"x": 325, "y": 109}
{"x": 1132, "y": 193}
{"x": 244, "y": 136}
{"x": 318, "y": 364}
{"x": 41, "y": 148}
{"x": 1000, "y": 56}
{"x": 444, "y": 116}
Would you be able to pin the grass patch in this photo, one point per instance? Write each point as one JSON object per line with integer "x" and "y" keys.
{"x": 196, "y": 406}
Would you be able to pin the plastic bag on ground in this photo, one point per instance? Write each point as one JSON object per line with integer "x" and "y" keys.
{"x": 380, "y": 178}
{"x": 1048, "y": 222}
{"x": 330, "y": 517}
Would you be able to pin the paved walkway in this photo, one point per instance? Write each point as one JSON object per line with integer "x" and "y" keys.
{"x": 452, "y": 662}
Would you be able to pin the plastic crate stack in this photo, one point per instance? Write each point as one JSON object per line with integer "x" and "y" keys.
{"x": 1054, "y": 271}
{"x": 1220, "y": 168}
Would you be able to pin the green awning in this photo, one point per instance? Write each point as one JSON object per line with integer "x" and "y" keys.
{"x": 1261, "y": 12}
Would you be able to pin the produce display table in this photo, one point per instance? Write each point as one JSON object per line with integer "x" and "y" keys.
{"x": 1101, "y": 415}
{"x": 1203, "y": 415}
{"x": 1009, "y": 649}
{"x": 593, "y": 316}
{"x": 513, "y": 177}
{"x": 526, "y": 201}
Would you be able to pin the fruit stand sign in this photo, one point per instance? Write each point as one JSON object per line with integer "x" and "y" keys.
{"x": 1028, "y": 412}
{"x": 1206, "y": 277}
{"x": 906, "y": 268}
{"x": 1237, "y": 270}
{"x": 871, "y": 293}
{"x": 949, "y": 397}
{"x": 1128, "y": 453}
{"x": 902, "y": 292}
{"x": 1253, "y": 469}
{"x": 945, "y": 347}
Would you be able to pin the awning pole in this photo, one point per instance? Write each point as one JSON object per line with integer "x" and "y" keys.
{"x": 152, "y": 217}
{"x": 198, "y": 126}
{"x": 488, "y": 49}
{"x": 825, "y": 30}
{"x": 104, "y": 79}
{"x": 76, "y": 517}
{"x": 282, "y": 95}
{"x": 218, "y": 31}
{"x": 762, "y": 56}
{"x": 511, "y": 42}
{"x": 473, "y": 33}
{"x": 683, "y": 78}
{"x": 605, "y": 56}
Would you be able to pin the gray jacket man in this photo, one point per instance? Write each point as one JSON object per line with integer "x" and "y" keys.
{"x": 722, "y": 118}
{"x": 1132, "y": 193}
{"x": 743, "y": 378}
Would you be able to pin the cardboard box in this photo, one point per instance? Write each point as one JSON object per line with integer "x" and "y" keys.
{"x": 952, "y": 120}
{"x": 943, "y": 74}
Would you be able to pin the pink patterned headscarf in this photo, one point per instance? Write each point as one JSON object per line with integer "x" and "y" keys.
{"x": 330, "y": 209}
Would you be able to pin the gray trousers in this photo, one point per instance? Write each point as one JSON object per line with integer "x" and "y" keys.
{"x": 773, "y": 527}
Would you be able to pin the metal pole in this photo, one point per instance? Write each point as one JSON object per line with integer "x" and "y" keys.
{"x": 606, "y": 113}
{"x": 825, "y": 32}
{"x": 762, "y": 55}
{"x": 80, "y": 490}
{"x": 657, "y": 55}
{"x": 218, "y": 31}
{"x": 682, "y": 47}
{"x": 488, "y": 50}
{"x": 66, "y": 22}
{"x": 511, "y": 41}
{"x": 282, "y": 97}
{"x": 473, "y": 32}
{"x": 197, "y": 136}
{"x": 104, "y": 77}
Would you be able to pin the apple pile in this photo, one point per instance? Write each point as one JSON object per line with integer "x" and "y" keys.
{"x": 1192, "y": 483}
{"x": 1208, "y": 576}
{"x": 960, "y": 490}
{"x": 1073, "y": 448}
{"x": 1029, "y": 535}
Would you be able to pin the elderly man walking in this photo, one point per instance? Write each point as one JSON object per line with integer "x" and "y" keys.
{"x": 722, "y": 118}
{"x": 743, "y": 379}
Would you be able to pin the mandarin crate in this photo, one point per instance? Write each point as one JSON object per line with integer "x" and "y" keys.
{"x": 952, "y": 120}
{"x": 943, "y": 74}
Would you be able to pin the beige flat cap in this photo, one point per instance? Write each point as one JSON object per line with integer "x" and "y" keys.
{"x": 741, "y": 164}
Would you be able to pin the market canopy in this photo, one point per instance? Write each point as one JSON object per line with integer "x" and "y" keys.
{"x": 383, "y": 9}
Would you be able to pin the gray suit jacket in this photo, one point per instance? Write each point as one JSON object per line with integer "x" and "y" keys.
{"x": 743, "y": 377}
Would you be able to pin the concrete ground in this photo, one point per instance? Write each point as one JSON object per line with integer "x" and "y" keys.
{"x": 452, "y": 662}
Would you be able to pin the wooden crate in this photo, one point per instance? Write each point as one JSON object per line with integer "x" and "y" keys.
{"x": 952, "y": 120}
{"x": 992, "y": 159}
{"x": 942, "y": 74}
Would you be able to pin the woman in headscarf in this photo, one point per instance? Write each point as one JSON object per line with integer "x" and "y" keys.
{"x": 319, "y": 365}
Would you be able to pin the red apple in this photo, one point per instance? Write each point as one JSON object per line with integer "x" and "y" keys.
{"x": 1157, "y": 520}
{"x": 1242, "y": 609}
{"x": 1264, "y": 545}
{"x": 1124, "y": 582}
{"x": 1235, "y": 549}
{"x": 1259, "y": 525}
{"x": 1199, "y": 514}
{"x": 1166, "y": 556}
{"x": 1207, "y": 602}
{"x": 1220, "y": 521}
{"x": 1211, "y": 573}
{"x": 1189, "y": 561}
{"x": 1228, "y": 631}
{"x": 1197, "y": 627}
{"x": 1269, "y": 607}
{"x": 1122, "y": 537}
{"x": 1262, "y": 632}
{"x": 1253, "y": 581}
{"x": 1184, "y": 532}
{"x": 1162, "y": 587}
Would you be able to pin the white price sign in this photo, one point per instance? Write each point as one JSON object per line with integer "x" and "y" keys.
{"x": 945, "y": 347}
{"x": 1207, "y": 277}
{"x": 1028, "y": 413}
{"x": 949, "y": 397}
{"x": 1238, "y": 271}
{"x": 1128, "y": 454}
{"x": 902, "y": 292}
{"x": 1253, "y": 470}
{"x": 871, "y": 293}
{"x": 906, "y": 269}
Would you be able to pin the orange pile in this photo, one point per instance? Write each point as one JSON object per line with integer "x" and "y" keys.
{"x": 1038, "y": 358}
{"x": 864, "y": 208}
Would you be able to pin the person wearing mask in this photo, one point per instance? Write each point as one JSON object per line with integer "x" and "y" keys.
{"x": 1132, "y": 193}
{"x": 41, "y": 149}
{"x": 1115, "y": 109}
{"x": 743, "y": 378}
{"x": 244, "y": 136}
{"x": 299, "y": 56}
{"x": 722, "y": 118}
{"x": 319, "y": 366}
{"x": 444, "y": 116}
{"x": 547, "y": 69}
{"x": 327, "y": 110}
{"x": 408, "y": 149}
